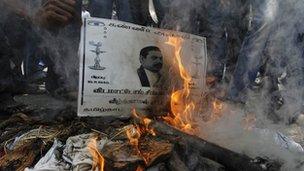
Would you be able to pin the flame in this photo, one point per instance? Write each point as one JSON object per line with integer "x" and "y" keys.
{"x": 133, "y": 133}
{"x": 98, "y": 159}
{"x": 145, "y": 122}
{"x": 182, "y": 107}
{"x": 217, "y": 106}
{"x": 140, "y": 168}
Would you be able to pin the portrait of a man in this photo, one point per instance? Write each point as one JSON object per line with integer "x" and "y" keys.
{"x": 151, "y": 60}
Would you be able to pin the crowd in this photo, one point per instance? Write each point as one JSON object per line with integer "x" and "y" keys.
{"x": 246, "y": 39}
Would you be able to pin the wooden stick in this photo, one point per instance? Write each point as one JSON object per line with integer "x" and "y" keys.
{"x": 229, "y": 159}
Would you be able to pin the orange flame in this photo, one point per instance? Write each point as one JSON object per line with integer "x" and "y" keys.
{"x": 140, "y": 168}
{"x": 217, "y": 106}
{"x": 134, "y": 133}
{"x": 182, "y": 107}
{"x": 145, "y": 122}
{"x": 98, "y": 159}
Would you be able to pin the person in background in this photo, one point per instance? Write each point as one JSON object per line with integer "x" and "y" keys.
{"x": 104, "y": 9}
{"x": 13, "y": 27}
{"x": 221, "y": 22}
{"x": 85, "y": 13}
{"x": 55, "y": 24}
{"x": 271, "y": 60}
{"x": 85, "y": 9}
{"x": 251, "y": 57}
{"x": 6, "y": 74}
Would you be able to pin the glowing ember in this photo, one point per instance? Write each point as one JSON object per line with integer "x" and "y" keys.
{"x": 139, "y": 168}
{"x": 145, "y": 122}
{"x": 98, "y": 159}
{"x": 182, "y": 107}
{"x": 133, "y": 133}
{"x": 217, "y": 106}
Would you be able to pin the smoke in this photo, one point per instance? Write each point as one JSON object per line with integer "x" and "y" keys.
{"x": 61, "y": 47}
{"x": 237, "y": 133}
{"x": 58, "y": 48}
{"x": 61, "y": 50}
{"x": 177, "y": 18}
{"x": 267, "y": 34}
{"x": 285, "y": 50}
{"x": 268, "y": 37}
{"x": 221, "y": 22}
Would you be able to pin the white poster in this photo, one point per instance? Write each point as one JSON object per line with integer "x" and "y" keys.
{"x": 125, "y": 66}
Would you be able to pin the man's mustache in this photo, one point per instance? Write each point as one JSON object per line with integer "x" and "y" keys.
{"x": 158, "y": 65}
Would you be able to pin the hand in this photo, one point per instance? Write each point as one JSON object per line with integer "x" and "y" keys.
{"x": 55, "y": 13}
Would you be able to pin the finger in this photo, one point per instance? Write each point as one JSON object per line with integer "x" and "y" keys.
{"x": 69, "y": 2}
{"x": 66, "y": 7}
{"x": 63, "y": 6}
{"x": 58, "y": 11}
{"x": 54, "y": 17}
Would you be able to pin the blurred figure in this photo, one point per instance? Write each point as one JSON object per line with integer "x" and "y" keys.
{"x": 12, "y": 47}
{"x": 104, "y": 9}
{"x": 61, "y": 20}
{"x": 271, "y": 60}
{"x": 223, "y": 23}
{"x": 252, "y": 58}
{"x": 6, "y": 75}
{"x": 54, "y": 29}
{"x": 149, "y": 12}
{"x": 85, "y": 10}
{"x": 85, "y": 13}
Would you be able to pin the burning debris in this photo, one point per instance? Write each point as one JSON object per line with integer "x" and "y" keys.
{"x": 130, "y": 147}
{"x": 91, "y": 144}
{"x": 158, "y": 106}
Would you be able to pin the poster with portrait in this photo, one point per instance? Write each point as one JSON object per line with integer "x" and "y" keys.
{"x": 125, "y": 66}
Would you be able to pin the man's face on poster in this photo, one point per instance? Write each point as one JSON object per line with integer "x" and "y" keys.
{"x": 153, "y": 61}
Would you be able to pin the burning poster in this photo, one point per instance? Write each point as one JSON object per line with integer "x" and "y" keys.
{"x": 125, "y": 66}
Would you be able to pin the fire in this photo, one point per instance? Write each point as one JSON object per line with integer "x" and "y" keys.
{"x": 139, "y": 168}
{"x": 182, "y": 107}
{"x": 98, "y": 159}
{"x": 145, "y": 122}
{"x": 217, "y": 106}
{"x": 133, "y": 133}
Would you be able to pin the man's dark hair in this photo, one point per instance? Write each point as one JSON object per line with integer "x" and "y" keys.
{"x": 144, "y": 52}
